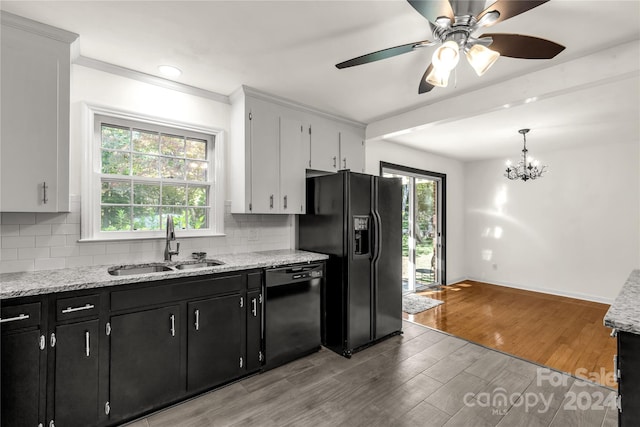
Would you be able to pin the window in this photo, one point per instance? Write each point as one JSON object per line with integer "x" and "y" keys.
{"x": 143, "y": 171}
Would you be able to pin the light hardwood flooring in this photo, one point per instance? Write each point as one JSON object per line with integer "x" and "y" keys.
{"x": 421, "y": 378}
{"x": 563, "y": 333}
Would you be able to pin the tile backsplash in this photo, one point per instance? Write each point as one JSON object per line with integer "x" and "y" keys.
{"x": 45, "y": 241}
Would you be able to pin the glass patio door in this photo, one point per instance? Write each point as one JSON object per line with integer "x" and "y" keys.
{"x": 422, "y": 218}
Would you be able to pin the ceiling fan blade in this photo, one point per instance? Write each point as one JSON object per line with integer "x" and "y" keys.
{"x": 510, "y": 8}
{"x": 433, "y": 9}
{"x": 525, "y": 47}
{"x": 424, "y": 86}
{"x": 381, "y": 54}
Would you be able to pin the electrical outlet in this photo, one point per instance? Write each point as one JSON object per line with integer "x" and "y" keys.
{"x": 253, "y": 235}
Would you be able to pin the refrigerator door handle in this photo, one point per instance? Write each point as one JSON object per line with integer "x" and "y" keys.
{"x": 377, "y": 236}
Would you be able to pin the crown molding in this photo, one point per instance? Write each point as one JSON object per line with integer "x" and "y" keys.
{"x": 35, "y": 27}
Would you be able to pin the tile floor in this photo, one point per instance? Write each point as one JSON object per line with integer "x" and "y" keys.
{"x": 422, "y": 378}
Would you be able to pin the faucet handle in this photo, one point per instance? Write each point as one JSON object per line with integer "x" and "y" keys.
{"x": 177, "y": 248}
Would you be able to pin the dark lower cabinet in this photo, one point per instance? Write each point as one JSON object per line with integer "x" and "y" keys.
{"x": 629, "y": 378}
{"x": 214, "y": 341}
{"x": 145, "y": 361}
{"x": 254, "y": 330}
{"x": 21, "y": 374}
{"x": 76, "y": 374}
{"x": 23, "y": 364}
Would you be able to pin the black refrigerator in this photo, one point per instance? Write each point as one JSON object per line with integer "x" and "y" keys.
{"x": 356, "y": 220}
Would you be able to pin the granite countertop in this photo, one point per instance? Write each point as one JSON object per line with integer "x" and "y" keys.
{"x": 14, "y": 285}
{"x": 624, "y": 313}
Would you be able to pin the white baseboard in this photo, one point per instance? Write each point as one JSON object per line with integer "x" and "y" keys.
{"x": 576, "y": 295}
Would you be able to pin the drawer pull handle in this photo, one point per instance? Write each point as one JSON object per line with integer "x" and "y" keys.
{"x": 86, "y": 343}
{"x": 14, "y": 319}
{"x": 74, "y": 309}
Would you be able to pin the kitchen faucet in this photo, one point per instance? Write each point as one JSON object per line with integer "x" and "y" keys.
{"x": 171, "y": 235}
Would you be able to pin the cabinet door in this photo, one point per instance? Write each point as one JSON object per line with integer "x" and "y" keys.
{"x": 292, "y": 170}
{"x": 325, "y": 145}
{"x": 35, "y": 122}
{"x": 76, "y": 374}
{"x": 21, "y": 373}
{"x": 629, "y": 382}
{"x": 214, "y": 341}
{"x": 265, "y": 135}
{"x": 254, "y": 330}
{"x": 145, "y": 361}
{"x": 352, "y": 149}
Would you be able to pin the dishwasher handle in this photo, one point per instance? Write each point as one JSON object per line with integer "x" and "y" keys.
{"x": 293, "y": 274}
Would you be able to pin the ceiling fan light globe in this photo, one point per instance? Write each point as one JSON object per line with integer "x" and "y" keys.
{"x": 446, "y": 56}
{"x": 481, "y": 58}
{"x": 438, "y": 77}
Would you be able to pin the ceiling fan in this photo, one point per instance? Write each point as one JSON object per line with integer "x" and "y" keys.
{"x": 456, "y": 26}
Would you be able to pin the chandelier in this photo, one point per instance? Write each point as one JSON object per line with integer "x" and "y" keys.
{"x": 527, "y": 168}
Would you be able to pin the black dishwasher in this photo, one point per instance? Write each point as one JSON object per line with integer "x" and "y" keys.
{"x": 292, "y": 312}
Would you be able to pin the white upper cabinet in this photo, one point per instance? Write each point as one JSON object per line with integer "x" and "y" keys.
{"x": 35, "y": 87}
{"x": 352, "y": 149}
{"x": 264, "y": 120}
{"x": 274, "y": 142}
{"x": 292, "y": 165}
{"x": 324, "y": 140}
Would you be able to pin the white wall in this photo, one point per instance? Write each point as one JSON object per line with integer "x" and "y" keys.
{"x": 379, "y": 150}
{"x": 48, "y": 241}
{"x": 574, "y": 232}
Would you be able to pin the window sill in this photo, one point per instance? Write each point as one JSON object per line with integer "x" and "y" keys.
{"x": 136, "y": 239}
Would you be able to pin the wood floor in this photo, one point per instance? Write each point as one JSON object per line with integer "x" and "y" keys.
{"x": 563, "y": 333}
{"x": 421, "y": 378}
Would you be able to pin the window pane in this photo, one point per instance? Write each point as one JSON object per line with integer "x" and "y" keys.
{"x": 197, "y": 218}
{"x": 175, "y": 195}
{"x": 146, "y": 218}
{"x": 179, "y": 217}
{"x": 145, "y": 165}
{"x": 115, "y": 162}
{"x": 116, "y": 192}
{"x": 197, "y": 196}
{"x": 117, "y": 138}
{"x": 172, "y": 168}
{"x": 146, "y": 194}
{"x": 197, "y": 171}
{"x": 172, "y": 145}
{"x": 196, "y": 149}
{"x": 145, "y": 142}
{"x": 115, "y": 218}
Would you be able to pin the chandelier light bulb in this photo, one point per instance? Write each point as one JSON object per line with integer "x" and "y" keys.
{"x": 527, "y": 168}
{"x": 438, "y": 77}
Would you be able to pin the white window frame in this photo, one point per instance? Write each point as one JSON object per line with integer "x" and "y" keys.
{"x": 91, "y": 178}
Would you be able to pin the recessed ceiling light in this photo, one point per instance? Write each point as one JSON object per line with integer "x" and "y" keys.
{"x": 169, "y": 71}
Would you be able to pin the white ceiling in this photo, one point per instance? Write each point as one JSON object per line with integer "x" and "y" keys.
{"x": 289, "y": 48}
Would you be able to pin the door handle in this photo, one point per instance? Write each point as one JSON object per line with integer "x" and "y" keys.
{"x": 44, "y": 193}
{"x": 197, "y": 323}
{"x": 334, "y": 161}
{"x": 254, "y": 307}
{"x": 271, "y": 201}
{"x": 285, "y": 202}
{"x": 344, "y": 162}
{"x": 86, "y": 343}
{"x": 173, "y": 325}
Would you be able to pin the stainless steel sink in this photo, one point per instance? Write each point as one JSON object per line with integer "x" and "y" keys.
{"x": 126, "y": 270}
{"x": 198, "y": 264}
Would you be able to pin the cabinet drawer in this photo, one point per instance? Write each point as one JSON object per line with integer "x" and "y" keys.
{"x": 174, "y": 291}
{"x": 19, "y": 316}
{"x": 76, "y": 307}
{"x": 254, "y": 280}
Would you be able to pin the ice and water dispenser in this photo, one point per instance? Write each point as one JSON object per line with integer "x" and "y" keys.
{"x": 361, "y": 235}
